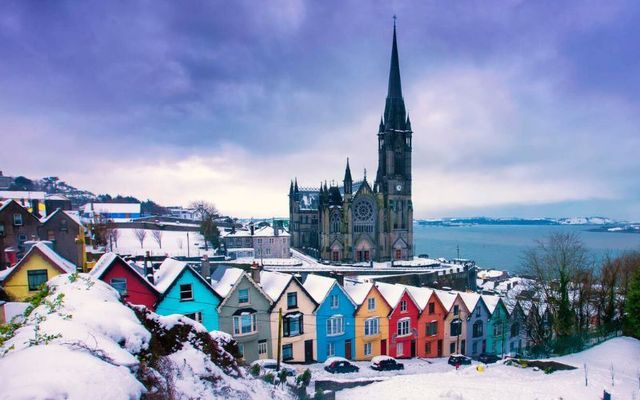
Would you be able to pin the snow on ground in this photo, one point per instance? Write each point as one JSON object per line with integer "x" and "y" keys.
{"x": 174, "y": 243}
{"x": 499, "y": 381}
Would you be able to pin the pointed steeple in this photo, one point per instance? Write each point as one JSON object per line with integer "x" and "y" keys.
{"x": 291, "y": 188}
{"x": 381, "y": 127}
{"x": 348, "y": 182}
{"x": 408, "y": 124}
{"x": 394, "y": 110}
{"x": 295, "y": 187}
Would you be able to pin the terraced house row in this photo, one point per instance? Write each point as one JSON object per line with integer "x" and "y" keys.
{"x": 319, "y": 316}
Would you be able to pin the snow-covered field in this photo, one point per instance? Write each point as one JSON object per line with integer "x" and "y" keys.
{"x": 174, "y": 243}
{"x": 499, "y": 381}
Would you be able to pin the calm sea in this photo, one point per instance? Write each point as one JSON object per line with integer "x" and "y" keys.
{"x": 501, "y": 246}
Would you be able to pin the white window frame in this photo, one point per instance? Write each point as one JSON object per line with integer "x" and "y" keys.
{"x": 372, "y": 325}
{"x": 238, "y": 326}
{"x": 335, "y": 325}
{"x": 367, "y": 349}
{"x": 335, "y": 301}
{"x": 197, "y": 316}
{"x": 121, "y": 280}
{"x": 371, "y": 303}
{"x": 262, "y": 347}
{"x": 400, "y": 349}
{"x": 240, "y": 298}
{"x": 403, "y": 306}
{"x": 404, "y": 327}
{"x": 190, "y": 290}
{"x": 331, "y": 349}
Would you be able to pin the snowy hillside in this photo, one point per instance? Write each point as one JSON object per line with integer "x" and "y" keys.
{"x": 499, "y": 381}
{"x": 81, "y": 342}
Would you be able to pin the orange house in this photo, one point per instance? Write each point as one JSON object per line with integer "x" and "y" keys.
{"x": 431, "y": 328}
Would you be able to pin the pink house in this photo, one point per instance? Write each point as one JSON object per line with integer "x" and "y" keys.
{"x": 126, "y": 279}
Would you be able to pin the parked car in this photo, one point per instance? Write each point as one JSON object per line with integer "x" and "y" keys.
{"x": 459, "y": 359}
{"x": 270, "y": 365}
{"x": 488, "y": 358}
{"x": 385, "y": 363}
{"x": 339, "y": 365}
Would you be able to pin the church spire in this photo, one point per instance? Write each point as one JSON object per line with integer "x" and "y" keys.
{"x": 348, "y": 182}
{"x": 394, "y": 111}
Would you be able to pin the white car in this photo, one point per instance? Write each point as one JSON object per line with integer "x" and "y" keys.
{"x": 270, "y": 365}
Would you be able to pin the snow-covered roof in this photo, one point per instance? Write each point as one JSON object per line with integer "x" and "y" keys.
{"x": 225, "y": 279}
{"x": 19, "y": 195}
{"x": 491, "y": 302}
{"x": 167, "y": 273}
{"x": 71, "y": 214}
{"x": 265, "y": 231}
{"x": 274, "y": 283}
{"x": 318, "y": 286}
{"x": 391, "y": 293}
{"x": 358, "y": 291}
{"x": 4, "y": 273}
{"x": 131, "y": 208}
{"x": 57, "y": 259}
{"x": 14, "y": 309}
{"x": 102, "y": 264}
{"x": 56, "y": 196}
{"x": 470, "y": 300}
{"x": 420, "y": 295}
{"x": 446, "y": 298}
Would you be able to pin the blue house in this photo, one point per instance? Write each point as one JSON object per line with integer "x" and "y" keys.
{"x": 477, "y": 323}
{"x": 335, "y": 317}
{"x": 184, "y": 291}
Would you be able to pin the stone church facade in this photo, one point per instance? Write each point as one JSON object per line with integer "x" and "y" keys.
{"x": 359, "y": 221}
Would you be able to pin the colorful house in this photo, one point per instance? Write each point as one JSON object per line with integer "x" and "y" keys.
{"x": 455, "y": 322}
{"x": 295, "y": 304}
{"x": 244, "y": 311}
{"x": 403, "y": 320}
{"x": 431, "y": 328}
{"x": 335, "y": 323}
{"x": 476, "y": 323}
{"x": 184, "y": 291}
{"x": 131, "y": 283}
{"x": 497, "y": 325}
{"x": 371, "y": 322}
{"x": 39, "y": 265}
{"x": 517, "y": 328}
{"x": 17, "y": 226}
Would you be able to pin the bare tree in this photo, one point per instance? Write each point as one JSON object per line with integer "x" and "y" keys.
{"x": 115, "y": 235}
{"x": 157, "y": 236}
{"x": 141, "y": 234}
{"x": 204, "y": 209}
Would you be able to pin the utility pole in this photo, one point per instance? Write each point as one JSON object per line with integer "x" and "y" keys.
{"x": 458, "y": 250}
{"x": 279, "y": 339}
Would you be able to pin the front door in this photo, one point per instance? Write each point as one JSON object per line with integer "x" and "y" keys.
{"x": 439, "y": 348}
{"x": 462, "y": 347}
{"x": 413, "y": 348}
{"x": 347, "y": 349}
{"x": 383, "y": 347}
{"x": 308, "y": 351}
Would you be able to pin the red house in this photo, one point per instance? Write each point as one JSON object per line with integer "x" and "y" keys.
{"x": 126, "y": 279}
{"x": 403, "y": 320}
{"x": 431, "y": 328}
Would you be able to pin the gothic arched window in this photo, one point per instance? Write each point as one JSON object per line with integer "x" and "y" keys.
{"x": 364, "y": 212}
{"x": 334, "y": 223}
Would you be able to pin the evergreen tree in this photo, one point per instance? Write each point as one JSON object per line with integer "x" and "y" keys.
{"x": 632, "y": 307}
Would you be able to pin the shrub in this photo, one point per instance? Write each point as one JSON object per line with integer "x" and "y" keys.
{"x": 304, "y": 378}
{"x": 269, "y": 378}
{"x": 255, "y": 370}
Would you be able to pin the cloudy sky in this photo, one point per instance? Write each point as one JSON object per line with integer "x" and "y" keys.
{"x": 519, "y": 108}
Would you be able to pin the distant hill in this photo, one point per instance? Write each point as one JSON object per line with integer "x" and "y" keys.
{"x": 517, "y": 221}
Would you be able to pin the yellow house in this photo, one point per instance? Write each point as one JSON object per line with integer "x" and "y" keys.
{"x": 371, "y": 320}
{"x": 38, "y": 266}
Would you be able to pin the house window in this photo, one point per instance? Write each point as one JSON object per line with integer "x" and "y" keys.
{"x": 287, "y": 352}
{"x": 432, "y": 308}
{"x": 335, "y": 326}
{"x": 292, "y": 300}
{"x": 371, "y": 326}
{"x": 196, "y": 316}
{"x": 186, "y": 292}
{"x": 243, "y": 296}
{"x": 17, "y": 219}
{"x": 262, "y": 347}
{"x": 455, "y": 327}
{"x": 334, "y": 301}
{"x": 497, "y": 329}
{"x": 119, "y": 284}
{"x": 268, "y": 251}
{"x": 292, "y": 325}
{"x": 477, "y": 329}
{"x": 452, "y": 347}
{"x": 244, "y": 324}
{"x": 36, "y": 278}
{"x": 403, "y": 327}
{"x": 427, "y": 347}
{"x": 331, "y": 349}
{"x": 478, "y": 312}
{"x": 456, "y": 309}
{"x": 432, "y": 328}
{"x": 403, "y": 306}
{"x": 400, "y": 349}
{"x": 371, "y": 304}
{"x": 367, "y": 349}
{"x": 515, "y": 329}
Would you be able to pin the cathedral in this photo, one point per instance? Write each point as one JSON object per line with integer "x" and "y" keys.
{"x": 360, "y": 222}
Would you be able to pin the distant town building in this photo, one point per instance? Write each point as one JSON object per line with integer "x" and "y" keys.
{"x": 54, "y": 201}
{"x": 5, "y": 181}
{"x": 17, "y": 226}
{"x": 66, "y": 233}
{"x": 116, "y": 212}
{"x": 359, "y": 222}
{"x": 266, "y": 242}
{"x": 32, "y": 201}
{"x": 185, "y": 213}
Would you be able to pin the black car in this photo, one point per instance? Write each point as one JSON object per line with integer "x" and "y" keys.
{"x": 341, "y": 367}
{"x": 386, "y": 364}
{"x": 488, "y": 358}
{"x": 459, "y": 359}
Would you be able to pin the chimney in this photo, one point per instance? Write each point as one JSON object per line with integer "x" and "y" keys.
{"x": 35, "y": 207}
{"x": 146, "y": 270}
{"x": 338, "y": 277}
{"x": 150, "y": 278}
{"x": 255, "y": 272}
{"x": 252, "y": 228}
{"x": 205, "y": 268}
